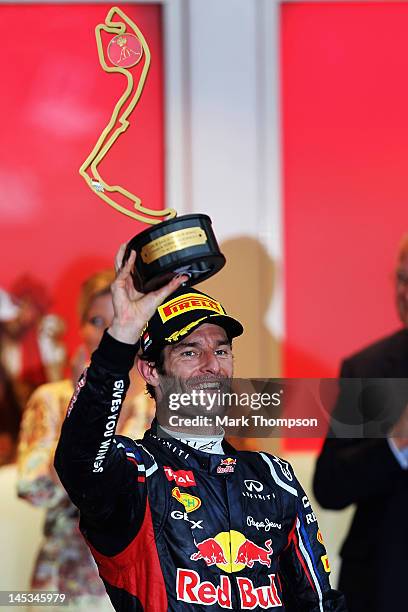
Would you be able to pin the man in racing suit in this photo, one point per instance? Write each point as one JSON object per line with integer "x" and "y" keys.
{"x": 181, "y": 521}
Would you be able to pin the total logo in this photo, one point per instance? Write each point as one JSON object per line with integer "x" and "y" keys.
{"x": 191, "y": 589}
{"x": 183, "y": 478}
{"x": 227, "y": 466}
{"x": 231, "y": 551}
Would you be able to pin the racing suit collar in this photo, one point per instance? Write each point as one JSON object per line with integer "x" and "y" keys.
{"x": 195, "y": 458}
{"x": 209, "y": 444}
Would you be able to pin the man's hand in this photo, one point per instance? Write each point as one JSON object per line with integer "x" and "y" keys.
{"x": 399, "y": 433}
{"x": 132, "y": 309}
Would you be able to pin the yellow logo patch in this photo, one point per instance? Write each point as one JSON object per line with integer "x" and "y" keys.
{"x": 190, "y": 502}
{"x": 182, "y": 332}
{"x": 326, "y": 563}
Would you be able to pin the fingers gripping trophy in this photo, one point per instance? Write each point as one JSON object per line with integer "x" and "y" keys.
{"x": 171, "y": 246}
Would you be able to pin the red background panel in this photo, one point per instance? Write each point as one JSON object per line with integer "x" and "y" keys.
{"x": 56, "y": 99}
{"x": 344, "y": 90}
{"x": 345, "y": 156}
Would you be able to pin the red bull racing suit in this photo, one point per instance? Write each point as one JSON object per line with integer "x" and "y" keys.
{"x": 173, "y": 528}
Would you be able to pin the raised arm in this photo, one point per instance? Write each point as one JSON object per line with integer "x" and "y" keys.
{"x": 92, "y": 467}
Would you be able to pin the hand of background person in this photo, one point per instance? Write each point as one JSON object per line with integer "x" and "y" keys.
{"x": 399, "y": 432}
{"x": 133, "y": 309}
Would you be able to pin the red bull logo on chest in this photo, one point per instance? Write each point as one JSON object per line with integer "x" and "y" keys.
{"x": 226, "y": 466}
{"x": 191, "y": 589}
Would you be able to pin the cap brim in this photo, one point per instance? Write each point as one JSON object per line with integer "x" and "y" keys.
{"x": 231, "y": 326}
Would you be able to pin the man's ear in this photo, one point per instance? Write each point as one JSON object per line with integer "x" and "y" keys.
{"x": 148, "y": 371}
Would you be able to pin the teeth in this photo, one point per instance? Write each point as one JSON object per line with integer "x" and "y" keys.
{"x": 208, "y": 385}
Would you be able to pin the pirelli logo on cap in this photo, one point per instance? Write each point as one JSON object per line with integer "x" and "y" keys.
{"x": 187, "y": 302}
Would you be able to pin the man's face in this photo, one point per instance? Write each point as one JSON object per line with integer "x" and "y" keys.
{"x": 201, "y": 363}
{"x": 401, "y": 287}
{"x": 205, "y": 354}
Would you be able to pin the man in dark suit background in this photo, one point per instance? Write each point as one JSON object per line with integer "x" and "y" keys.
{"x": 370, "y": 468}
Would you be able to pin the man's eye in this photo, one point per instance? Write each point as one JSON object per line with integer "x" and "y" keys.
{"x": 222, "y": 352}
{"x": 97, "y": 321}
{"x": 188, "y": 354}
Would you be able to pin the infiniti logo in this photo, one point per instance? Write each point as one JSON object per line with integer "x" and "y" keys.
{"x": 253, "y": 485}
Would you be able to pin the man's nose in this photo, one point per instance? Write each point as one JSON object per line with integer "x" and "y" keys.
{"x": 210, "y": 363}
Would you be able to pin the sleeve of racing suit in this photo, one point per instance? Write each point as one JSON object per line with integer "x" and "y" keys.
{"x": 351, "y": 469}
{"x": 304, "y": 565}
{"x": 92, "y": 467}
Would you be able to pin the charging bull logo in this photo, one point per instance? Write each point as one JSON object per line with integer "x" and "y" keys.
{"x": 210, "y": 551}
{"x": 231, "y": 551}
{"x": 249, "y": 553}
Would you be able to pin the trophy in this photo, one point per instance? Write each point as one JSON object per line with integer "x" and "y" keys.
{"x": 171, "y": 245}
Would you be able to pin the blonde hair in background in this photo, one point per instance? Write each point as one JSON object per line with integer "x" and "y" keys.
{"x": 96, "y": 285}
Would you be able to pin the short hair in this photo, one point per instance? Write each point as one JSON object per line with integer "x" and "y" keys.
{"x": 158, "y": 362}
{"x": 96, "y": 285}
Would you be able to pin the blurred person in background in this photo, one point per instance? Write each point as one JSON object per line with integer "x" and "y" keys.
{"x": 373, "y": 472}
{"x": 64, "y": 563}
{"x": 31, "y": 350}
{"x": 10, "y": 417}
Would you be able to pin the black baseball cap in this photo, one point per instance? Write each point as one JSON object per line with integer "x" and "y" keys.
{"x": 179, "y": 315}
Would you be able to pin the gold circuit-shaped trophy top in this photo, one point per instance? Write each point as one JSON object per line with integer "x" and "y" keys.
{"x": 172, "y": 245}
{"x": 124, "y": 51}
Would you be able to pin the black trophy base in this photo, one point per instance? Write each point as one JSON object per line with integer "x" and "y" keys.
{"x": 183, "y": 245}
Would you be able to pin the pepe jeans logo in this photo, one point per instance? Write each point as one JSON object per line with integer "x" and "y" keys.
{"x": 266, "y": 524}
